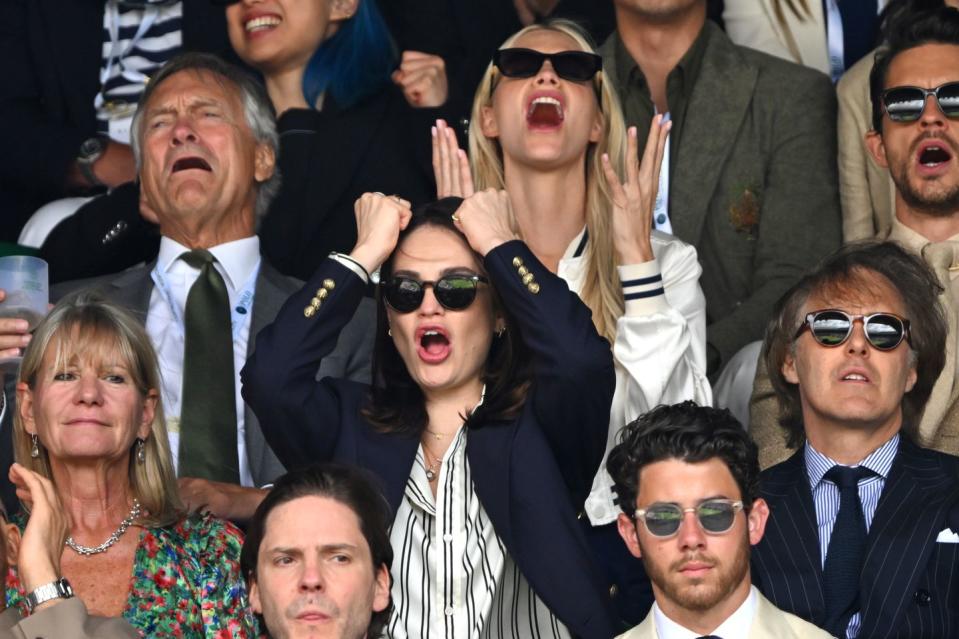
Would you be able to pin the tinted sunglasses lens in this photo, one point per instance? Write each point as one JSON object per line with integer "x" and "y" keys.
{"x": 716, "y": 516}
{"x": 949, "y": 99}
{"x": 455, "y": 293}
{"x": 830, "y": 328}
{"x": 404, "y": 295}
{"x": 884, "y": 331}
{"x": 518, "y": 63}
{"x": 663, "y": 520}
{"x": 904, "y": 104}
{"x": 578, "y": 66}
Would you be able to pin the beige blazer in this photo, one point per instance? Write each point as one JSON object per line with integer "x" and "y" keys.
{"x": 753, "y": 24}
{"x": 866, "y": 190}
{"x": 66, "y": 620}
{"x": 770, "y": 623}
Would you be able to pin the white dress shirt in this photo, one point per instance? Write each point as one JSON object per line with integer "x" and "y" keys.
{"x": 239, "y": 263}
{"x": 736, "y": 626}
{"x": 660, "y": 349}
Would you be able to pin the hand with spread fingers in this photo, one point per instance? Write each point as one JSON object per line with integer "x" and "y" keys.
{"x": 38, "y": 560}
{"x": 633, "y": 202}
{"x": 451, "y": 166}
{"x": 422, "y": 77}
{"x": 486, "y": 218}
{"x": 379, "y": 220}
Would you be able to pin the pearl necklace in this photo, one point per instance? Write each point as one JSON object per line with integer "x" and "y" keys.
{"x": 86, "y": 551}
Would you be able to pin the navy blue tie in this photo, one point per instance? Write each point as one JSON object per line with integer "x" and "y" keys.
{"x": 847, "y": 547}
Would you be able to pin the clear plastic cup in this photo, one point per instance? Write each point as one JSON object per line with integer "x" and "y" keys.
{"x": 24, "y": 278}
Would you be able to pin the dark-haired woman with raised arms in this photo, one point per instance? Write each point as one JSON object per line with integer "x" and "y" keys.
{"x": 486, "y": 422}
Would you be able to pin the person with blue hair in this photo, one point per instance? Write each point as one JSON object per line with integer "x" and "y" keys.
{"x": 345, "y": 127}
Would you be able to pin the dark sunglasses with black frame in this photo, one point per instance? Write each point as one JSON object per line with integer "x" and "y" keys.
{"x": 575, "y": 66}
{"x": 832, "y": 327}
{"x": 715, "y": 516}
{"x": 454, "y": 292}
{"x": 906, "y": 103}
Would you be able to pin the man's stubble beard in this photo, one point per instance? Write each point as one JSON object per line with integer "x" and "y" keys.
{"x": 699, "y": 599}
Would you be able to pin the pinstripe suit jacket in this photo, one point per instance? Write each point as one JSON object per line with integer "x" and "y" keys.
{"x": 909, "y": 587}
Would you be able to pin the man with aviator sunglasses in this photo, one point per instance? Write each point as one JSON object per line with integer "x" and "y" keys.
{"x": 687, "y": 479}
{"x": 860, "y": 541}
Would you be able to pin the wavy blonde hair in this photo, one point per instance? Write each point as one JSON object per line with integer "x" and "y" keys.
{"x": 85, "y": 326}
{"x": 601, "y": 289}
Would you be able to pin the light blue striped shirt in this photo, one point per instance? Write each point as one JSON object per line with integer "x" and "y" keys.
{"x": 825, "y": 495}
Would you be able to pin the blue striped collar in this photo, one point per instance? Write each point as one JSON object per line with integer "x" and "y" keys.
{"x": 878, "y": 461}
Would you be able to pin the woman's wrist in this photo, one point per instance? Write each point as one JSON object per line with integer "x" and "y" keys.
{"x": 366, "y": 258}
{"x": 636, "y": 252}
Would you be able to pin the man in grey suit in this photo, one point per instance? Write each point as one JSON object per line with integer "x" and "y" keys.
{"x": 205, "y": 142}
{"x": 750, "y": 177}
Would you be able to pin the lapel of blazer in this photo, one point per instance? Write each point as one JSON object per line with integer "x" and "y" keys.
{"x": 76, "y": 40}
{"x": 913, "y": 508}
{"x": 794, "y": 530}
{"x": 488, "y": 450}
{"x": 132, "y": 289}
{"x": 714, "y": 116}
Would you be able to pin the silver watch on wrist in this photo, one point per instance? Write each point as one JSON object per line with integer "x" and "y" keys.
{"x": 90, "y": 152}
{"x": 59, "y": 589}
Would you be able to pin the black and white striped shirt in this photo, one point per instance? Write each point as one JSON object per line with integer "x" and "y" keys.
{"x": 452, "y": 576}
{"x": 136, "y": 42}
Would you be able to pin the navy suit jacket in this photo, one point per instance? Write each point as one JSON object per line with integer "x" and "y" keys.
{"x": 531, "y": 473}
{"x": 909, "y": 587}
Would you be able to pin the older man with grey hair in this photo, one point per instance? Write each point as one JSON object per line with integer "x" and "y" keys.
{"x": 206, "y": 145}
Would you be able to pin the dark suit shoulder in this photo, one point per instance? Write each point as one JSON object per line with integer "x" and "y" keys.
{"x": 775, "y": 479}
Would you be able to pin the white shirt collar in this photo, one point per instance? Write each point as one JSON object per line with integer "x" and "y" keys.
{"x": 736, "y": 625}
{"x": 237, "y": 259}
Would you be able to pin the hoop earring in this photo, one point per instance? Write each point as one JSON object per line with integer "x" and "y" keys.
{"x": 35, "y": 449}
{"x": 389, "y": 332}
{"x": 141, "y": 453}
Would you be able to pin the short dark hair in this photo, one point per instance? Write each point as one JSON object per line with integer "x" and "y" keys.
{"x": 396, "y": 402}
{"x": 907, "y": 26}
{"x": 689, "y": 433}
{"x": 353, "y": 487}
{"x": 257, "y": 109}
{"x": 840, "y": 273}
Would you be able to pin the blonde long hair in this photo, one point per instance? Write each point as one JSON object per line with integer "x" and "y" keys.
{"x": 601, "y": 291}
{"x": 82, "y": 326}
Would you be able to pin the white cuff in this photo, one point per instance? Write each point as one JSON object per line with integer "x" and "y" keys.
{"x": 643, "y": 291}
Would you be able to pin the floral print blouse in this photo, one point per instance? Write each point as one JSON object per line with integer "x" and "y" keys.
{"x": 186, "y": 582}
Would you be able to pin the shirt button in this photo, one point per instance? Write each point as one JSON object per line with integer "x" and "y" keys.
{"x": 660, "y": 219}
{"x": 449, "y": 611}
{"x": 448, "y": 537}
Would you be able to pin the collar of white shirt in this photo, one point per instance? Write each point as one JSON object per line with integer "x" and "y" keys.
{"x": 236, "y": 259}
{"x": 737, "y": 625}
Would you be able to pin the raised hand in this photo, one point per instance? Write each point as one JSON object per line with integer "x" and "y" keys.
{"x": 38, "y": 561}
{"x": 633, "y": 201}
{"x": 423, "y": 79}
{"x": 379, "y": 220}
{"x": 486, "y": 218}
{"x": 451, "y": 167}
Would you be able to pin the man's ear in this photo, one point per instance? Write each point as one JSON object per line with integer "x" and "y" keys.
{"x": 756, "y": 520}
{"x": 264, "y": 163}
{"x": 381, "y": 589}
{"x": 627, "y": 530}
{"x": 789, "y": 368}
{"x": 488, "y": 122}
{"x": 876, "y": 148}
{"x": 254, "y": 593}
